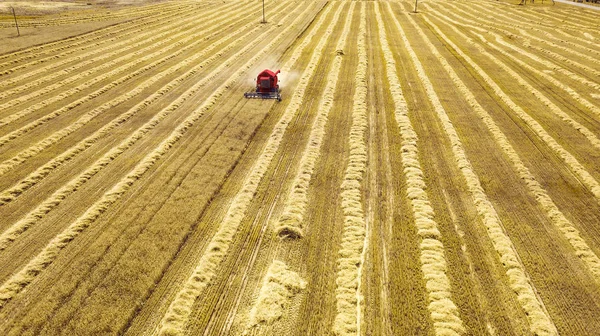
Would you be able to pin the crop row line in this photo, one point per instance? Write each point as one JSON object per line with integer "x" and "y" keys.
{"x": 549, "y": 21}
{"x": 531, "y": 27}
{"x": 497, "y": 26}
{"x": 350, "y": 260}
{"x": 573, "y": 93}
{"x": 553, "y": 108}
{"x": 108, "y": 15}
{"x": 290, "y": 223}
{"x": 443, "y": 311}
{"x": 175, "y": 319}
{"x": 35, "y": 266}
{"x": 102, "y": 32}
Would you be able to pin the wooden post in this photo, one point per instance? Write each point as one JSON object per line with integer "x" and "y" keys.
{"x": 264, "y": 21}
{"x": 416, "y": 2}
{"x": 16, "y": 23}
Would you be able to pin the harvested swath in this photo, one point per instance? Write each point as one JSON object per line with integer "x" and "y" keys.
{"x": 151, "y": 34}
{"x": 57, "y": 136}
{"x": 57, "y": 197}
{"x": 354, "y": 239}
{"x": 175, "y": 319}
{"x": 582, "y": 250}
{"x": 290, "y": 223}
{"x": 279, "y": 286}
{"x": 17, "y": 282}
{"x": 580, "y": 172}
{"x": 102, "y": 16}
{"x": 443, "y": 311}
{"x": 540, "y": 322}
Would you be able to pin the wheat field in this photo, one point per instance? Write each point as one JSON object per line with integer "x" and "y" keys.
{"x": 426, "y": 173}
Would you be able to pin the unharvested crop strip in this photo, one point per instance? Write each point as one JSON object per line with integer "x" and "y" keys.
{"x": 443, "y": 311}
{"x": 125, "y": 68}
{"x": 539, "y": 320}
{"x": 57, "y": 136}
{"x": 582, "y": 250}
{"x": 280, "y": 285}
{"x": 574, "y": 165}
{"x": 176, "y": 318}
{"x": 106, "y": 52}
{"x": 290, "y": 223}
{"x": 13, "y": 232}
{"x": 21, "y": 279}
{"x": 350, "y": 260}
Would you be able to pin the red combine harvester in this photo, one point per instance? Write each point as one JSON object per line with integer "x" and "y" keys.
{"x": 266, "y": 86}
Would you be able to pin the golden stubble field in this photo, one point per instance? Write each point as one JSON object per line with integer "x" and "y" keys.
{"x": 430, "y": 173}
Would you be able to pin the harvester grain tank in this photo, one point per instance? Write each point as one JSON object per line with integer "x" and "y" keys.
{"x": 266, "y": 86}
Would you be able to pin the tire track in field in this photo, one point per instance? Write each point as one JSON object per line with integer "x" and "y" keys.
{"x": 291, "y": 222}
{"x": 36, "y": 148}
{"x": 570, "y": 233}
{"x": 540, "y": 322}
{"x": 350, "y": 262}
{"x": 175, "y": 319}
{"x": 14, "y": 231}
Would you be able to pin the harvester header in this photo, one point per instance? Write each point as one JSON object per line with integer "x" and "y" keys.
{"x": 267, "y": 86}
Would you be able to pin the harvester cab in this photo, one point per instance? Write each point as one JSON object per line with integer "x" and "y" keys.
{"x": 266, "y": 86}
